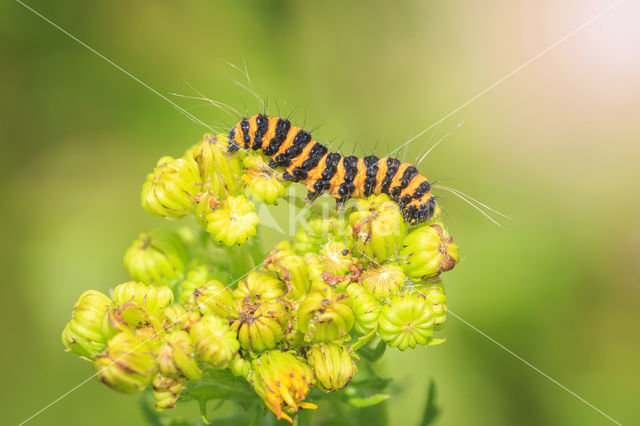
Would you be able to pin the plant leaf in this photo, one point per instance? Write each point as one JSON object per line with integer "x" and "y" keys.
{"x": 431, "y": 411}
{"x": 369, "y": 400}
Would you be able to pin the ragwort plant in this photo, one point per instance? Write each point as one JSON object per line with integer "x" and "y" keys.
{"x": 209, "y": 316}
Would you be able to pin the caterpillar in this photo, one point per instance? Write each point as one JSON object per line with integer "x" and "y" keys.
{"x": 343, "y": 177}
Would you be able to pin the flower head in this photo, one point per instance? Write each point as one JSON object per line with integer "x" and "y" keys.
{"x": 233, "y": 222}
{"x": 377, "y": 227}
{"x": 176, "y": 357}
{"x": 126, "y": 365}
{"x": 282, "y": 381}
{"x": 166, "y": 391}
{"x": 152, "y": 298}
{"x": 406, "y": 321}
{"x": 333, "y": 365}
{"x": 384, "y": 280}
{"x": 366, "y": 308}
{"x": 215, "y": 299}
{"x": 214, "y": 342}
{"x": 83, "y": 333}
{"x": 158, "y": 257}
{"x": 171, "y": 188}
{"x": 260, "y": 285}
{"x": 325, "y": 316}
{"x": 428, "y": 251}
{"x": 261, "y": 325}
{"x": 291, "y": 269}
{"x": 262, "y": 181}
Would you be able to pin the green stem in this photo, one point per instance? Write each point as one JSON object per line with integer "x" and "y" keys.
{"x": 363, "y": 340}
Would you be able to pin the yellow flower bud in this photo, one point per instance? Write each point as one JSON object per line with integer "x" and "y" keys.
{"x": 179, "y": 317}
{"x": 366, "y": 308}
{"x": 233, "y": 222}
{"x": 428, "y": 251}
{"x": 260, "y": 325}
{"x": 336, "y": 258}
{"x": 214, "y": 342}
{"x": 177, "y": 357}
{"x": 377, "y": 227}
{"x": 406, "y": 321}
{"x": 83, "y": 333}
{"x": 383, "y": 281}
{"x": 214, "y": 298}
{"x": 332, "y": 364}
{"x": 219, "y": 171}
{"x": 282, "y": 381}
{"x": 171, "y": 188}
{"x": 240, "y": 366}
{"x": 291, "y": 269}
{"x": 262, "y": 181}
{"x": 153, "y": 299}
{"x": 158, "y": 257}
{"x": 259, "y": 285}
{"x": 166, "y": 391}
{"x": 126, "y": 365}
{"x": 325, "y": 317}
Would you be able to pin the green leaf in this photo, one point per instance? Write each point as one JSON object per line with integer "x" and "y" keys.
{"x": 373, "y": 384}
{"x": 431, "y": 411}
{"x": 368, "y": 401}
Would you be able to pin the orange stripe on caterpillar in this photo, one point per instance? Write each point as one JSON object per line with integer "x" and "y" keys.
{"x": 343, "y": 177}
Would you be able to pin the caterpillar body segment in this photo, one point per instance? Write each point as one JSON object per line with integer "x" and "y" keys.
{"x": 343, "y": 177}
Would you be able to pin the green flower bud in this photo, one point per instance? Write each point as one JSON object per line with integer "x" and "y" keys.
{"x": 332, "y": 364}
{"x": 261, "y": 325}
{"x": 176, "y": 356}
{"x": 240, "y": 367}
{"x": 259, "y": 285}
{"x": 219, "y": 172}
{"x": 166, "y": 391}
{"x": 428, "y": 251}
{"x": 439, "y": 315}
{"x": 196, "y": 277}
{"x": 158, "y": 257}
{"x": 317, "y": 232}
{"x": 383, "y": 281}
{"x": 126, "y": 365}
{"x": 83, "y": 333}
{"x": 208, "y": 202}
{"x": 291, "y": 269}
{"x": 406, "y": 321}
{"x": 171, "y": 188}
{"x": 179, "y": 317}
{"x": 315, "y": 269}
{"x": 215, "y": 299}
{"x": 366, "y": 308}
{"x": 153, "y": 299}
{"x": 233, "y": 222}
{"x": 282, "y": 381}
{"x": 325, "y": 317}
{"x": 214, "y": 342}
{"x": 262, "y": 181}
{"x": 336, "y": 258}
{"x": 377, "y": 227}
{"x": 433, "y": 291}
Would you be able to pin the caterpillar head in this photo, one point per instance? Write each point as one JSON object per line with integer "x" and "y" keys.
{"x": 419, "y": 209}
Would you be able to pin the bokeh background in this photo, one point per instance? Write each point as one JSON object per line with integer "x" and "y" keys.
{"x": 555, "y": 146}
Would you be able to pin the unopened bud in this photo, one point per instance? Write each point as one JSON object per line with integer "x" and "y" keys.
{"x": 214, "y": 342}
{"x": 260, "y": 325}
{"x": 219, "y": 171}
{"x": 260, "y": 285}
{"x": 332, "y": 364}
{"x": 177, "y": 357}
{"x": 366, "y": 308}
{"x": 171, "y": 188}
{"x": 240, "y": 366}
{"x": 158, "y": 257}
{"x": 262, "y": 181}
{"x": 292, "y": 270}
{"x": 428, "y": 251}
{"x": 179, "y": 317}
{"x": 282, "y": 381}
{"x": 166, "y": 391}
{"x": 233, "y": 222}
{"x": 213, "y": 298}
{"x": 325, "y": 317}
{"x": 336, "y": 258}
{"x": 377, "y": 227}
{"x": 406, "y": 321}
{"x": 152, "y": 298}
{"x": 126, "y": 365}
{"x": 384, "y": 280}
{"x": 83, "y": 333}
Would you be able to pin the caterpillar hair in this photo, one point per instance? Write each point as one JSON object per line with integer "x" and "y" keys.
{"x": 343, "y": 177}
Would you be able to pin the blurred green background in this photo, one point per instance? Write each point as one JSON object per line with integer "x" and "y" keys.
{"x": 554, "y": 146}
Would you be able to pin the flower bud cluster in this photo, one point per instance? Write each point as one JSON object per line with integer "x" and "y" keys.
{"x": 294, "y": 322}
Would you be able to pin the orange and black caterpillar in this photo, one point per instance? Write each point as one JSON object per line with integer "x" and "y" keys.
{"x": 344, "y": 177}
